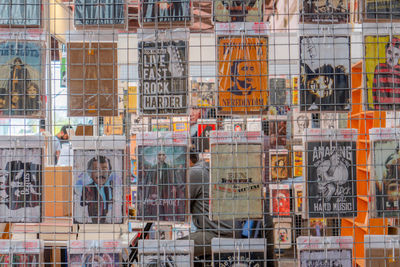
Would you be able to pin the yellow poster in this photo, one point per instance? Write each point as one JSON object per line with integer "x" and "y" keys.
{"x": 113, "y": 125}
{"x": 298, "y": 163}
{"x": 243, "y": 75}
{"x": 132, "y": 99}
{"x": 382, "y": 69}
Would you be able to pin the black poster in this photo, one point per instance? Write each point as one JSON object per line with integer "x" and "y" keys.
{"x": 331, "y": 178}
{"x": 324, "y": 11}
{"x": 99, "y": 12}
{"x": 230, "y": 259}
{"x": 153, "y": 11}
{"x": 163, "y": 77}
{"x": 324, "y": 69}
{"x": 382, "y": 10}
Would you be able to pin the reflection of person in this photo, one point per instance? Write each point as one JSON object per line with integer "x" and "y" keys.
{"x": 98, "y": 195}
{"x": 386, "y": 84}
{"x": 243, "y": 74}
{"x": 61, "y": 137}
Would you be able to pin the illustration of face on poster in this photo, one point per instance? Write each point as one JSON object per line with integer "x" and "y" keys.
{"x": 382, "y": 70}
{"x": 277, "y": 133}
{"x": 162, "y": 183}
{"x": 324, "y": 11}
{"x": 331, "y": 169}
{"x": 94, "y": 260}
{"x": 381, "y": 10}
{"x": 279, "y": 166}
{"x": 283, "y": 235}
{"x": 20, "y": 185}
{"x": 324, "y": 67}
{"x": 92, "y": 79}
{"x": 163, "y": 75}
{"x": 387, "y": 177}
{"x": 242, "y": 74}
{"x": 236, "y": 179}
{"x": 322, "y": 258}
{"x": 301, "y": 121}
{"x": 329, "y": 121}
{"x": 20, "y": 79}
{"x": 98, "y": 186}
{"x": 154, "y": 11}
{"x": 280, "y": 202}
{"x": 238, "y": 11}
{"x": 203, "y": 133}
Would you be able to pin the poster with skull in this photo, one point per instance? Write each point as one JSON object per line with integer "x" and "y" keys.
{"x": 331, "y": 172}
{"x": 324, "y": 69}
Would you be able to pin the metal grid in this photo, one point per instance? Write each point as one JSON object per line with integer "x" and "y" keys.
{"x": 199, "y": 133}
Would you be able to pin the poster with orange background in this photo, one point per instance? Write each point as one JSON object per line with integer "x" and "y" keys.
{"x": 242, "y": 75}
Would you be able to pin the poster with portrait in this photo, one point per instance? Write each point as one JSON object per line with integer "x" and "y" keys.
{"x": 236, "y": 169}
{"x": 279, "y": 164}
{"x": 324, "y": 11}
{"x": 381, "y": 10}
{"x": 92, "y": 79}
{"x": 301, "y": 121}
{"x": 279, "y": 199}
{"x": 382, "y": 71}
{"x": 283, "y": 233}
{"x": 203, "y": 92}
{"x": 94, "y": 253}
{"x": 324, "y": 73}
{"x": 99, "y": 13}
{"x": 165, "y": 13}
{"x": 331, "y": 172}
{"x": 177, "y": 253}
{"x": 163, "y": 77}
{"x": 329, "y": 120}
{"x": 98, "y": 173}
{"x": 242, "y": 74}
{"x": 234, "y": 124}
{"x": 298, "y": 164}
{"x": 385, "y": 162}
{"x": 21, "y": 79}
{"x": 325, "y": 251}
{"x": 231, "y": 252}
{"x": 21, "y": 167}
{"x": 20, "y": 14}
{"x": 277, "y": 130}
{"x": 21, "y": 253}
{"x": 162, "y": 168}
{"x": 238, "y": 11}
{"x": 204, "y": 128}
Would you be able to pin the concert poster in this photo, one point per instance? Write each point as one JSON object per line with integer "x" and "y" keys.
{"x": 242, "y": 75}
{"x": 324, "y": 73}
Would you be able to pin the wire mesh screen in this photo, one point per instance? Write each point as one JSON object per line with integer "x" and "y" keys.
{"x": 200, "y": 133}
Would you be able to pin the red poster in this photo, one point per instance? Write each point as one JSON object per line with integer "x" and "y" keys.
{"x": 280, "y": 196}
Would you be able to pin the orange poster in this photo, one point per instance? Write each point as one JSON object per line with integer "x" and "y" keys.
{"x": 243, "y": 75}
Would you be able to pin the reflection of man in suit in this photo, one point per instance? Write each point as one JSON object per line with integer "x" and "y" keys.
{"x": 243, "y": 74}
{"x": 98, "y": 195}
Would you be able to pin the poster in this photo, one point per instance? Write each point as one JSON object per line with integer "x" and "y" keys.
{"x": 92, "y": 79}
{"x": 381, "y": 10}
{"x": 94, "y": 253}
{"x": 278, "y": 132}
{"x": 331, "y": 173}
{"x": 279, "y": 199}
{"x": 161, "y": 232}
{"x": 242, "y": 74}
{"x": 20, "y": 13}
{"x": 113, "y": 125}
{"x": 163, "y": 77}
{"x": 324, "y": 68}
{"x": 21, "y": 185}
{"x": 159, "y": 11}
{"x": 132, "y": 104}
{"x": 254, "y": 125}
{"x": 180, "y": 124}
{"x": 329, "y": 120}
{"x": 278, "y": 91}
{"x": 301, "y": 121}
{"x": 160, "y": 125}
{"x": 386, "y": 158}
{"x": 21, "y": 253}
{"x": 298, "y": 192}
{"x": 98, "y": 184}
{"x": 279, "y": 164}
{"x": 326, "y": 258}
{"x": 204, "y": 128}
{"x": 234, "y": 125}
{"x": 99, "y": 13}
{"x": 203, "y": 92}
{"x": 21, "y": 79}
{"x": 283, "y": 233}
{"x": 382, "y": 71}
{"x": 324, "y": 12}
{"x": 238, "y": 11}
{"x": 298, "y": 163}
{"x": 162, "y": 168}
{"x": 318, "y": 226}
{"x": 236, "y": 169}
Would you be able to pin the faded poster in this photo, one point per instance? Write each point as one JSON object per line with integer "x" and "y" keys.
{"x": 238, "y": 11}
{"x": 324, "y": 11}
{"x": 20, "y": 185}
{"x": 21, "y": 91}
{"x": 331, "y": 178}
{"x": 326, "y": 258}
{"x": 163, "y": 75}
{"x": 381, "y": 10}
{"x": 324, "y": 68}
{"x": 278, "y": 91}
{"x": 382, "y": 71}
{"x": 154, "y": 11}
{"x": 242, "y": 74}
{"x": 301, "y": 121}
{"x": 236, "y": 175}
{"x": 98, "y": 186}
{"x": 162, "y": 167}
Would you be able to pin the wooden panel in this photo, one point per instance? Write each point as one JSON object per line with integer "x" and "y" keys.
{"x": 57, "y": 191}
